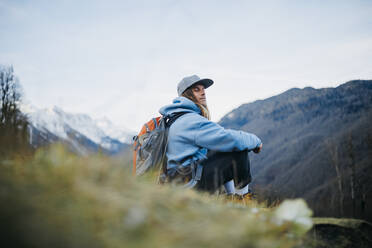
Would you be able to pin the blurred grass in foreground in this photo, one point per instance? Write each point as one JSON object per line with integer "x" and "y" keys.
{"x": 57, "y": 199}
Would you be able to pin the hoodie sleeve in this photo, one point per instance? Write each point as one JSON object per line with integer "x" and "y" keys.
{"x": 214, "y": 137}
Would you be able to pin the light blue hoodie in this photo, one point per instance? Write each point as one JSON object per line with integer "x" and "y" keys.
{"x": 192, "y": 135}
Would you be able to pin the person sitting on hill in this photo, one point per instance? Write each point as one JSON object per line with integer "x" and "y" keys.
{"x": 202, "y": 153}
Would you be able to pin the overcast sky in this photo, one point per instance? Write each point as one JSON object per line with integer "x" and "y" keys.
{"x": 123, "y": 59}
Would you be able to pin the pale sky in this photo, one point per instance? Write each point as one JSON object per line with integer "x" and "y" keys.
{"x": 124, "y": 59}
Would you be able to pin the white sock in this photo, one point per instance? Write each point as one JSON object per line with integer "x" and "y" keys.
{"x": 243, "y": 190}
{"x": 230, "y": 187}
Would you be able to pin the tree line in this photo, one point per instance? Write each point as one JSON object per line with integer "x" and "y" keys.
{"x": 14, "y": 125}
{"x": 352, "y": 190}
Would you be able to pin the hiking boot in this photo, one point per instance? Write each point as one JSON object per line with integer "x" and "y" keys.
{"x": 245, "y": 199}
{"x": 236, "y": 198}
{"x": 241, "y": 199}
{"x": 247, "y": 196}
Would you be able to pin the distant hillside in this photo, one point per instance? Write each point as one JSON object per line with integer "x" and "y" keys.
{"x": 308, "y": 134}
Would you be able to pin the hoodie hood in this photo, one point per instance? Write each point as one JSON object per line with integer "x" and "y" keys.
{"x": 180, "y": 104}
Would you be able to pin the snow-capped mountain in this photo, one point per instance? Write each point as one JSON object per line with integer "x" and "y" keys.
{"x": 113, "y": 131}
{"x": 80, "y": 131}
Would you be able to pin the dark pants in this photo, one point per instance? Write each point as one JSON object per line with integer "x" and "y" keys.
{"x": 221, "y": 167}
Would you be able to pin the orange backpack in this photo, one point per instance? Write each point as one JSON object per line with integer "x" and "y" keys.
{"x": 150, "y": 145}
{"x": 138, "y": 139}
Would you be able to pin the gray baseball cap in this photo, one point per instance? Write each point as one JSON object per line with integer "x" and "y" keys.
{"x": 186, "y": 82}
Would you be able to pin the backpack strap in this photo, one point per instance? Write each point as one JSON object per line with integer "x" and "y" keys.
{"x": 169, "y": 120}
{"x": 155, "y": 122}
{"x": 196, "y": 175}
{"x": 172, "y": 118}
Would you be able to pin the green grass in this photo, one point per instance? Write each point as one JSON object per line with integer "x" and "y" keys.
{"x": 57, "y": 199}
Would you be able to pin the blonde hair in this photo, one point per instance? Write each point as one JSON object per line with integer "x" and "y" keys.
{"x": 203, "y": 108}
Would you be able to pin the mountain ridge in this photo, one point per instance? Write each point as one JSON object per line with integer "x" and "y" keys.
{"x": 295, "y": 127}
